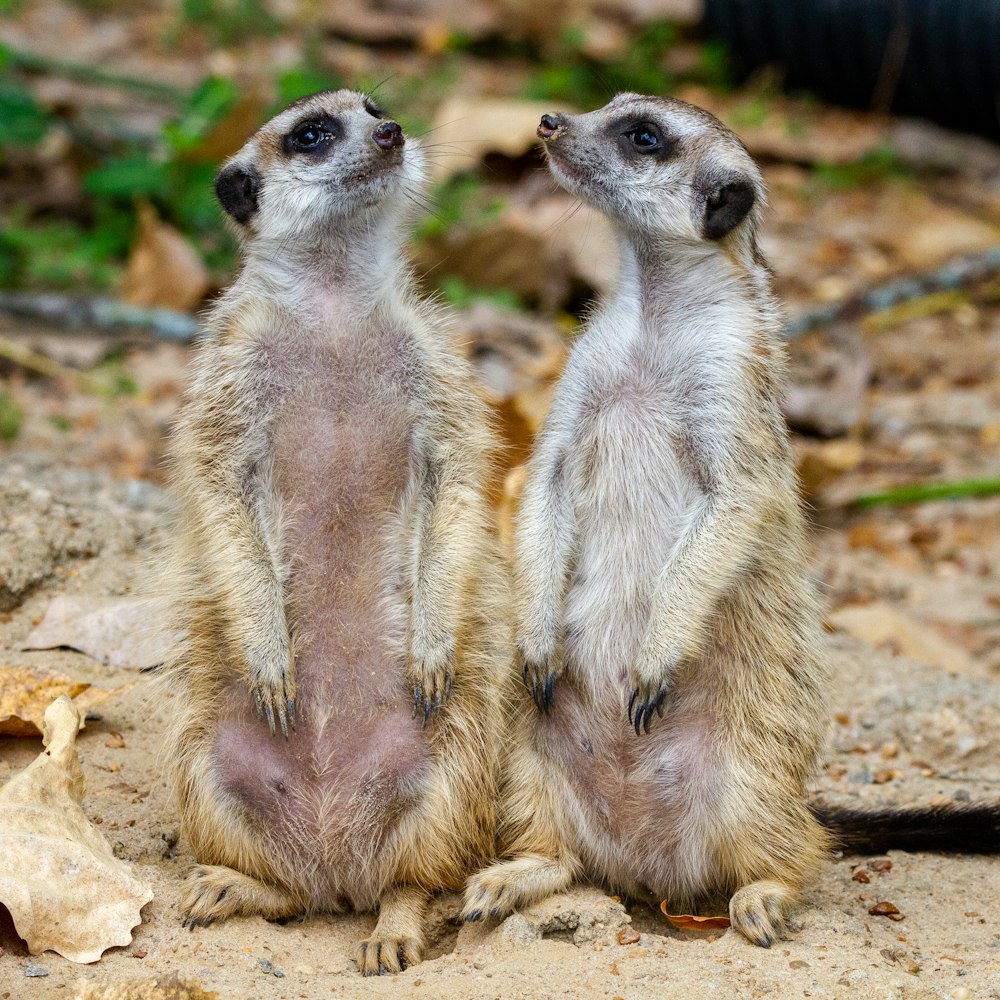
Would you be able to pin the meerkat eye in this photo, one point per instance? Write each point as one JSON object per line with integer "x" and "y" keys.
{"x": 644, "y": 137}
{"x": 373, "y": 109}
{"x": 307, "y": 136}
{"x": 312, "y": 136}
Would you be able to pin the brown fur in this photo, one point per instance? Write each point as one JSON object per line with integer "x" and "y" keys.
{"x": 333, "y": 554}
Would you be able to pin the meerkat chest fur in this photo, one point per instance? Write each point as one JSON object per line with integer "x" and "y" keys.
{"x": 653, "y": 379}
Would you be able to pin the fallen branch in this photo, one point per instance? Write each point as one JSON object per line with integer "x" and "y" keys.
{"x": 98, "y": 313}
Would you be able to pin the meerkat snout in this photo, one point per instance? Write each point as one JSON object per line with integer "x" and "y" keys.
{"x": 388, "y": 136}
{"x": 549, "y": 125}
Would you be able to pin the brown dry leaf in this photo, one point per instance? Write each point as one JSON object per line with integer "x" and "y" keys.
{"x": 885, "y": 909}
{"x": 690, "y": 922}
{"x": 163, "y": 268}
{"x": 120, "y": 631}
{"x": 25, "y": 694}
{"x": 59, "y": 879}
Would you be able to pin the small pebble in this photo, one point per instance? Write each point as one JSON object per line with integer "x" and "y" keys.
{"x": 278, "y": 974}
{"x": 33, "y": 970}
{"x": 265, "y": 965}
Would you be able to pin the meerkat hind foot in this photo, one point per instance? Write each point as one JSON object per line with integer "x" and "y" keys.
{"x": 397, "y": 942}
{"x": 216, "y": 892}
{"x": 502, "y": 888}
{"x": 758, "y": 911}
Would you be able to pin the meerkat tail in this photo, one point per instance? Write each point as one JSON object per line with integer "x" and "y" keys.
{"x": 973, "y": 828}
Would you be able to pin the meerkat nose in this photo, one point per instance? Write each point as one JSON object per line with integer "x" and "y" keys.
{"x": 388, "y": 136}
{"x": 549, "y": 125}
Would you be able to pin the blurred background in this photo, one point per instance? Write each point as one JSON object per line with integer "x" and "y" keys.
{"x": 876, "y": 125}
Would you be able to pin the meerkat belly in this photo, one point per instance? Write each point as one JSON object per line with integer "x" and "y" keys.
{"x": 333, "y": 792}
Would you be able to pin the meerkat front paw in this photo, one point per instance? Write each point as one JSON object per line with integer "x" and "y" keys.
{"x": 431, "y": 673}
{"x": 758, "y": 911}
{"x": 541, "y": 667}
{"x": 652, "y": 680}
{"x": 271, "y": 684}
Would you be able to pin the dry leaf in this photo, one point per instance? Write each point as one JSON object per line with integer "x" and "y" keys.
{"x": 120, "y": 632}
{"x": 59, "y": 879}
{"x": 885, "y": 909}
{"x": 26, "y": 693}
{"x": 628, "y": 935}
{"x": 163, "y": 268}
{"x": 690, "y": 922}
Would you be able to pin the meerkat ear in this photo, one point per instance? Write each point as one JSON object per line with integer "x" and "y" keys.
{"x": 726, "y": 206}
{"x": 237, "y": 189}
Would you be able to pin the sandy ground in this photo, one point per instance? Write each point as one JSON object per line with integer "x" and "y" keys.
{"x": 902, "y": 732}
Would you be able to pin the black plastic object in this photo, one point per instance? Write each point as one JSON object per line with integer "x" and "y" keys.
{"x": 939, "y": 59}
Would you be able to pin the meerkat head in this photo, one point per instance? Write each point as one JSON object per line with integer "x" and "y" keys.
{"x": 321, "y": 162}
{"x": 659, "y": 167}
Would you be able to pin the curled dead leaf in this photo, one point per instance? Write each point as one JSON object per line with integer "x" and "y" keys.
{"x": 690, "y": 922}
{"x": 885, "y": 909}
{"x": 163, "y": 268}
{"x": 59, "y": 878}
{"x": 26, "y": 693}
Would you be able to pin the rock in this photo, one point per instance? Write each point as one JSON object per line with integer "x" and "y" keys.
{"x": 582, "y": 915}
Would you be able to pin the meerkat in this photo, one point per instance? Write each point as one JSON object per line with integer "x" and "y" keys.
{"x": 666, "y": 626}
{"x": 342, "y": 599}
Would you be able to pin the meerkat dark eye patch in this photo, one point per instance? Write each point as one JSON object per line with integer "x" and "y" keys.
{"x": 313, "y": 136}
{"x": 643, "y": 139}
{"x": 726, "y": 206}
{"x": 237, "y": 189}
{"x": 373, "y": 109}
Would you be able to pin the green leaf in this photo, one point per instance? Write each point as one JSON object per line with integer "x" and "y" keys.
{"x": 132, "y": 176}
{"x": 205, "y": 108}
{"x": 11, "y": 418}
{"x": 921, "y": 492}
{"x": 22, "y": 121}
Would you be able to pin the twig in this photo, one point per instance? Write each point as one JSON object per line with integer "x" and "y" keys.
{"x": 100, "y": 313}
{"x": 33, "y": 361}
{"x": 955, "y": 274}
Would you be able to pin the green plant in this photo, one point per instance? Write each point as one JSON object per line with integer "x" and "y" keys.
{"x": 457, "y": 293}
{"x": 460, "y": 200}
{"x": 11, "y": 418}
{"x": 226, "y": 22}
{"x": 574, "y": 77}
{"x": 881, "y": 163}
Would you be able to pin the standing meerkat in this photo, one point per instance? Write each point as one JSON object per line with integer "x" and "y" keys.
{"x": 665, "y": 622}
{"x": 341, "y": 595}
